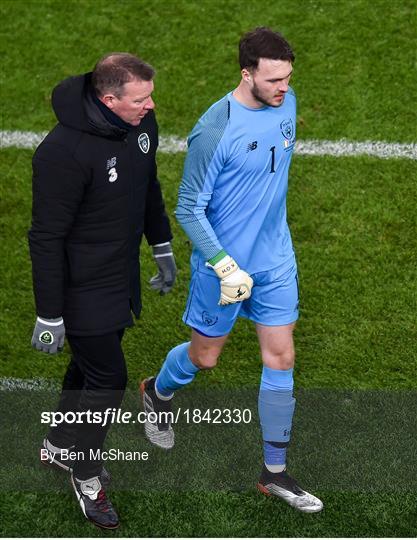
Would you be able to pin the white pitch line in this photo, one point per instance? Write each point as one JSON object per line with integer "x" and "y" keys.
{"x": 379, "y": 149}
{"x": 171, "y": 145}
{"x": 12, "y": 384}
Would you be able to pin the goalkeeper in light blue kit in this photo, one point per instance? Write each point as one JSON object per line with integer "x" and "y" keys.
{"x": 232, "y": 205}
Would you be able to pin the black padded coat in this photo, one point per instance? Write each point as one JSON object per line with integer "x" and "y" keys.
{"x": 95, "y": 193}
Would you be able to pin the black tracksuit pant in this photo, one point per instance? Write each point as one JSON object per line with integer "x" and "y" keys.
{"x": 95, "y": 380}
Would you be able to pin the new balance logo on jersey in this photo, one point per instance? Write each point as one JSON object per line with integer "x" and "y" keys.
{"x": 252, "y": 146}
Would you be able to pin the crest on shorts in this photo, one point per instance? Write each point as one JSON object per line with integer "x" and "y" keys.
{"x": 209, "y": 320}
{"x": 144, "y": 142}
{"x": 287, "y": 129}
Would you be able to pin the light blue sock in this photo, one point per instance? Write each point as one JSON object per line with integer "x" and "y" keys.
{"x": 176, "y": 371}
{"x": 276, "y": 409}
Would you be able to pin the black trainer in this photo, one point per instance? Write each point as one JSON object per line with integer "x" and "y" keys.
{"x": 57, "y": 461}
{"x": 94, "y": 502}
{"x": 158, "y": 430}
{"x": 284, "y": 486}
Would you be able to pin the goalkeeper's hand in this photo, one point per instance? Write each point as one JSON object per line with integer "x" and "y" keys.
{"x": 48, "y": 335}
{"x": 235, "y": 284}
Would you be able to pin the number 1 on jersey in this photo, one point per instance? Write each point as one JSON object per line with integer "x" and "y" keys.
{"x": 272, "y": 159}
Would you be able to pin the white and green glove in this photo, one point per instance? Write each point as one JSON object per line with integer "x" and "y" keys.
{"x": 167, "y": 270}
{"x": 235, "y": 284}
{"x": 48, "y": 335}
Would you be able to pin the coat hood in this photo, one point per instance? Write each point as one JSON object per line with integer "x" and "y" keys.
{"x": 74, "y": 107}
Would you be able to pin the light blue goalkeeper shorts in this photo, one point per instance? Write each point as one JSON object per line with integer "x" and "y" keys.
{"x": 273, "y": 302}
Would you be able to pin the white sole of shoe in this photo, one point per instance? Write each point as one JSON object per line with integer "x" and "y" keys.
{"x": 162, "y": 439}
{"x": 304, "y": 503}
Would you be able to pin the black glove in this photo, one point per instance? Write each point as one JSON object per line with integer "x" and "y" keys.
{"x": 48, "y": 335}
{"x": 167, "y": 270}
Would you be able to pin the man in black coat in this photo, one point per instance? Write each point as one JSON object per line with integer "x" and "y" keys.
{"x": 95, "y": 193}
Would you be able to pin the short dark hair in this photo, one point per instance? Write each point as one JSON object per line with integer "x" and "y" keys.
{"x": 114, "y": 70}
{"x": 263, "y": 43}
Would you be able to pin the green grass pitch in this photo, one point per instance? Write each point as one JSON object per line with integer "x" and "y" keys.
{"x": 353, "y": 222}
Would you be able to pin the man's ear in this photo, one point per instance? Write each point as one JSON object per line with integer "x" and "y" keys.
{"x": 246, "y": 75}
{"x": 108, "y": 100}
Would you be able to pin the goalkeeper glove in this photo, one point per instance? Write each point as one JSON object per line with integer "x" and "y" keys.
{"x": 48, "y": 335}
{"x": 167, "y": 270}
{"x": 235, "y": 284}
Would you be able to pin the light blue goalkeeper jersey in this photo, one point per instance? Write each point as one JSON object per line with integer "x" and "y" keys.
{"x": 233, "y": 192}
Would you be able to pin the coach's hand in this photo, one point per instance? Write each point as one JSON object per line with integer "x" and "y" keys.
{"x": 48, "y": 335}
{"x": 167, "y": 270}
{"x": 235, "y": 284}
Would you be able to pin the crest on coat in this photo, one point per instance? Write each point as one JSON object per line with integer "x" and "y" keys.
{"x": 144, "y": 142}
